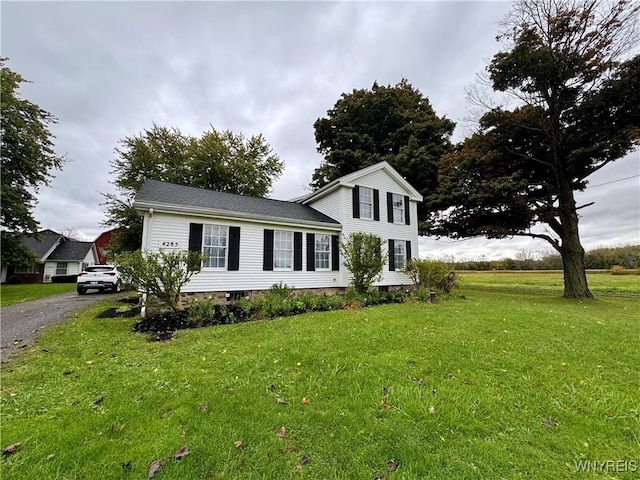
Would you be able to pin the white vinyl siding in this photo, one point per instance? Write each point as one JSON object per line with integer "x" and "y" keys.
{"x": 381, "y": 181}
{"x": 214, "y": 246}
{"x": 167, "y": 227}
{"x": 366, "y": 202}
{"x": 282, "y": 250}
{"x": 323, "y": 252}
{"x": 398, "y": 208}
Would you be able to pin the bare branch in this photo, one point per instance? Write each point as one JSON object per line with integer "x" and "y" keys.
{"x": 554, "y": 243}
{"x": 585, "y": 205}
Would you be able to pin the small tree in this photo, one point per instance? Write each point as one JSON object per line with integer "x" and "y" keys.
{"x": 162, "y": 274}
{"x": 364, "y": 258}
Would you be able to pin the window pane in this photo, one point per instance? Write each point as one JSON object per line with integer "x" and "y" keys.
{"x": 282, "y": 249}
{"x": 366, "y": 202}
{"x": 365, "y": 210}
{"x": 399, "y": 254}
{"x": 61, "y": 268}
{"x": 323, "y": 247}
{"x": 214, "y": 246}
{"x": 398, "y": 208}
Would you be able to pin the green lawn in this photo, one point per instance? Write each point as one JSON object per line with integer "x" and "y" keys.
{"x": 492, "y": 385}
{"x": 10, "y": 294}
{"x": 601, "y": 283}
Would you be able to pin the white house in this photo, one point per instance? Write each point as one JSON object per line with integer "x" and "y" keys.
{"x": 58, "y": 256}
{"x": 253, "y": 243}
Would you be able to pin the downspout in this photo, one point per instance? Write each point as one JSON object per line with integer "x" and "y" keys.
{"x": 146, "y": 241}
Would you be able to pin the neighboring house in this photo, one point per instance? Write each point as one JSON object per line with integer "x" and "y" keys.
{"x": 253, "y": 243}
{"x": 102, "y": 242}
{"x": 58, "y": 256}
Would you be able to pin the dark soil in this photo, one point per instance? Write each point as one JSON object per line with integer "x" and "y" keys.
{"x": 165, "y": 322}
{"x": 115, "y": 313}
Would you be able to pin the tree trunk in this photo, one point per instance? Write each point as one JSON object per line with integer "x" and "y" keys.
{"x": 571, "y": 251}
{"x": 575, "y": 277}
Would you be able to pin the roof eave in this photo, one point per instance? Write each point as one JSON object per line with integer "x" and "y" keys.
{"x": 350, "y": 181}
{"x": 318, "y": 194}
{"x": 144, "y": 207}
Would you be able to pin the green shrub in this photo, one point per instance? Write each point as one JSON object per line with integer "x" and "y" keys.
{"x": 162, "y": 274}
{"x": 364, "y": 258}
{"x": 202, "y": 312}
{"x": 431, "y": 275}
{"x": 618, "y": 270}
{"x": 422, "y": 294}
{"x": 277, "y": 302}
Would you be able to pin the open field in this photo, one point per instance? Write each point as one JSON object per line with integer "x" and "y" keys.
{"x": 10, "y": 294}
{"x": 486, "y": 384}
{"x": 601, "y": 283}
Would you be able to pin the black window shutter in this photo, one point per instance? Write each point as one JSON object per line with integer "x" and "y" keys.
{"x": 389, "y": 207}
{"x": 297, "y": 250}
{"x": 392, "y": 258}
{"x": 376, "y": 205}
{"x": 335, "y": 253}
{"x": 311, "y": 252}
{"x": 234, "y": 249}
{"x": 407, "y": 213}
{"x": 408, "y": 249}
{"x": 267, "y": 263}
{"x": 195, "y": 247}
{"x": 356, "y": 201}
{"x": 195, "y": 237}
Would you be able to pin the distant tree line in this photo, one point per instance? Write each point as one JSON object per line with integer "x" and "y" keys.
{"x": 601, "y": 258}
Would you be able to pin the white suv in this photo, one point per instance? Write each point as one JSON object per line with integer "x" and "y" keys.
{"x": 99, "y": 277}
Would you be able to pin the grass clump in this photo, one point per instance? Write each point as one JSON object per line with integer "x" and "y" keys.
{"x": 17, "y": 293}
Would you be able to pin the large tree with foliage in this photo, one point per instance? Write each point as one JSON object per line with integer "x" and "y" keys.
{"x": 577, "y": 109}
{"x": 28, "y": 158}
{"x": 396, "y": 124}
{"x": 222, "y": 161}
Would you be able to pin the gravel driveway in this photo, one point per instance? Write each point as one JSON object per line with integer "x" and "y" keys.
{"x": 21, "y": 323}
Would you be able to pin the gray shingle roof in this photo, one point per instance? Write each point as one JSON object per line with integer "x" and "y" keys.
{"x": 156, "y": 193}
{"x": 71, "y": 251}
{"x": 47, "y": 239}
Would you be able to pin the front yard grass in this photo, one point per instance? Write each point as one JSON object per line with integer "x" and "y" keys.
{"x": 10, "y": 294}
{"x": 483, "y": 385}
{"x": 601, "y": 283}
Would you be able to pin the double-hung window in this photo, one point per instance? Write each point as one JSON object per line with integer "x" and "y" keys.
{"x": 61, "y": 268}
{"x": 282, "y": 250}
{"x": 399, "y": 254}
{"x": 398, "y": 208}
{"x": 323, "y": 252}
{"x": 214, "y": 246}
{"x": 366, "y": 202}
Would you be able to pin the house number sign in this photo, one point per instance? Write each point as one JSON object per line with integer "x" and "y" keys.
{"x": 169, "y": 244}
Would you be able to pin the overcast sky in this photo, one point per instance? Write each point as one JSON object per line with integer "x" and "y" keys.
{"x": 109, "y": 70}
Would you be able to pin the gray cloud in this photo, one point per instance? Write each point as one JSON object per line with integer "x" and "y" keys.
{"x": 109, "y": 70}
